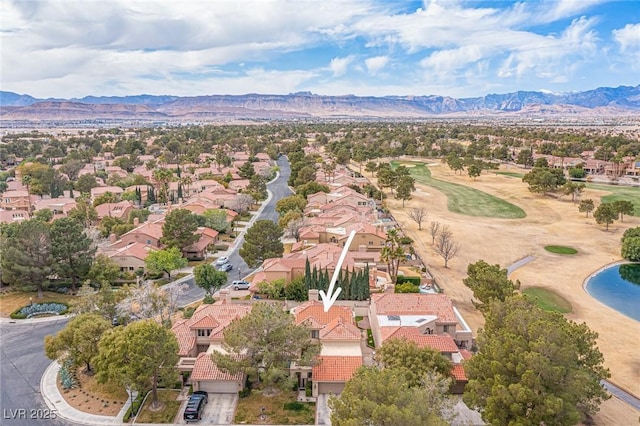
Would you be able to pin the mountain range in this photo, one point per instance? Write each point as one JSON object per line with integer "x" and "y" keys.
{"x": 603, "y": 101}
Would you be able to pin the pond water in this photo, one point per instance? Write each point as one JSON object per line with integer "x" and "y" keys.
{"x": 619, "y": 288}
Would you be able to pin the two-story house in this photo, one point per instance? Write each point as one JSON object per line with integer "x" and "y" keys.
{"x": 202, "y": 334}
{"x": 341, "y": 352}
{"x": 427, "y": 319}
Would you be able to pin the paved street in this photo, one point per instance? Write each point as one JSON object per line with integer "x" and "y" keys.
{"x": 22, "y": 363}
{"x": 278, "y": 189}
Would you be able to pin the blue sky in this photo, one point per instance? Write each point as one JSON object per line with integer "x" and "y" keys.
{"x": 460, "y": 48}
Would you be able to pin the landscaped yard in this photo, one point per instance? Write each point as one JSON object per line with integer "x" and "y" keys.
{"x": 12, "y": 301}
{"x": 165, "y": 415}
{"x": 465, "y": 200}
{"x": 95, "y": 398}
{"x": 625, "y": 193}
{"x": 280, "y": 409}
{"x": 548, "y": 300}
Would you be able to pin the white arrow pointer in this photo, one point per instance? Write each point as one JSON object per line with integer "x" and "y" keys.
{"x": 328, "y": 298}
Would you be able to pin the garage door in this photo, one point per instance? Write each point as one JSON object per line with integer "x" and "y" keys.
{"x": 218, "y": 387}
{"x": 334, "y": 388}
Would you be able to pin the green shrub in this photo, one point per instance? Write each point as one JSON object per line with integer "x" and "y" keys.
{"x": 188, "y": 312}
{"x": 132, "y": 411}
{"x": 294, "y": 406}
{"x": 208, "y": 300}
{"x": 408, "y": 279}
{"x": 407, "y": 288}
{"x": 308, "y": 388}
{"x": 405, "y": 241}
{"x": 370, "y": 342}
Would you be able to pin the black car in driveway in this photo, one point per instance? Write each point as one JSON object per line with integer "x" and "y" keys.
{"x": 195, "y": 406}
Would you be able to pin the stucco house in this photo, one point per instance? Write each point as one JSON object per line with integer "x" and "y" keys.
{"x": 340, "y": 354}
{"x": 429, "y": 320}
{"x": 202, "y": 334}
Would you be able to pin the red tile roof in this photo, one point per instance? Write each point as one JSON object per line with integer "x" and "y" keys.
{"x": 458, "y": 372}
{"x": 205, "y": 369}
{"x": 338, "y": 329}
{"x": 415, "y": 304}
{"x": 441, "y": 342}
{"x": 336, "y": 368}
{"x": 314, "y": 310}
{"x": 186, "y": 337}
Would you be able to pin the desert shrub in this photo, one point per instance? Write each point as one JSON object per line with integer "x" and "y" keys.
{"x": 40, "y": 309}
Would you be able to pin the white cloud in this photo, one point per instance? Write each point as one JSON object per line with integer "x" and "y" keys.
{"x": 375, "y": 64}
{"x": 339, "y": 66}
{"x": 628, "y": 38}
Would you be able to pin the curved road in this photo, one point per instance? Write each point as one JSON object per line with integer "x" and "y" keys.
{"x": 22, "y": 359}
{"x": 22, "y": 363}
{"x": 278, "y": 189}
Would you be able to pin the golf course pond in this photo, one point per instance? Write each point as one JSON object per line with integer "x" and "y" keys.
{"x": 618, "y": 287}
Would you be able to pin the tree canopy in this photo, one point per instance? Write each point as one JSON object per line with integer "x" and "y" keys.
{"x": 141, "y": 355}
{"x": 72, "y": 250}
{"x": 489, "y": 282}
{"x": 262, "y": 241}
{"x": 264, "y": 343}
{"x": 78, "y": 340}
{"x": 26, "y": 255}
{"x": 166, "y": 260}
{"x": 179, "y": 229}
{"x": 534, "y": 367}
{"x": 544, "y": 179}
{"x": 376, "y": 396}
{"x": 605, "y": 214}
{"x": 209, "y": 278}
{"x": 413, "y": 361}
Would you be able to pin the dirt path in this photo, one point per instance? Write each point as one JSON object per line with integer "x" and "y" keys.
{"x": 549, "y": 221}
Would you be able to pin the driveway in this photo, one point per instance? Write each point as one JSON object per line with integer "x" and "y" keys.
{"x": 219, "y": 411}
{"x": 323, "y": 413}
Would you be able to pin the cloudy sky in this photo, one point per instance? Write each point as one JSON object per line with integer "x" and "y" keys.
{"x": 461, "y": 48}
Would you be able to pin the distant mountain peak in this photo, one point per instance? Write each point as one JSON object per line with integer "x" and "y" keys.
{"x": 603, "y": 100}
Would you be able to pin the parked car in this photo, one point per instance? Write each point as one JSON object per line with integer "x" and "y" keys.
{"x": 225, "y": 268}
{"x": 241, "y": 285}
{"x": 221, "y": 261}
{"x": 195, "y": 406}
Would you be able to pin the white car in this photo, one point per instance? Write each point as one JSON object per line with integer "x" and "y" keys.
{"x": 241, "y": 285}
{"x": 222, "y": 260}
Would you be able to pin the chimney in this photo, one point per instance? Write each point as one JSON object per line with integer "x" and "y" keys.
{"x": 112, "y": 238}
{"x": 136, "y": 221}
{"x": 314, "y": 294}
{"x": 225, "y": 295}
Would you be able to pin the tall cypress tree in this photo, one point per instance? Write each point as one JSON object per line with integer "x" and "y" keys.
{"x": 307, "y": 274}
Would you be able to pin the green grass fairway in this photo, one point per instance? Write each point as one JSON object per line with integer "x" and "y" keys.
{"x": 626, "y": 193}
{"x": 548, "y": 300}
{"x": 511, "y": 174}
{"x": 560, "y": 249}
{"x": 464, "y": 200}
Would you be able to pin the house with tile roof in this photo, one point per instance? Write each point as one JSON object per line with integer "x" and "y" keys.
{"x": 13, "y": 216}
{"x": 60, "y": 206}
{"x": 429, "y": 320}
{"x": 131, "y": 257}
{"x": 118, "y": 210}
{"x": 202, "y": 334}
{"x": 340, "y": 339}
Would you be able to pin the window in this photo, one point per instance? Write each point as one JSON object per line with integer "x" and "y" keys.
{"x": 204, "y": 332}
{"x": 428, "y": 331}
{"x": 315, "y": 334}
{"x": 446, "y": 328}
{"x": 370, "y": 243}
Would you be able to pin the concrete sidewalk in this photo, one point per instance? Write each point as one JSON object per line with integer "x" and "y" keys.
{"x": 56, "y": 402}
